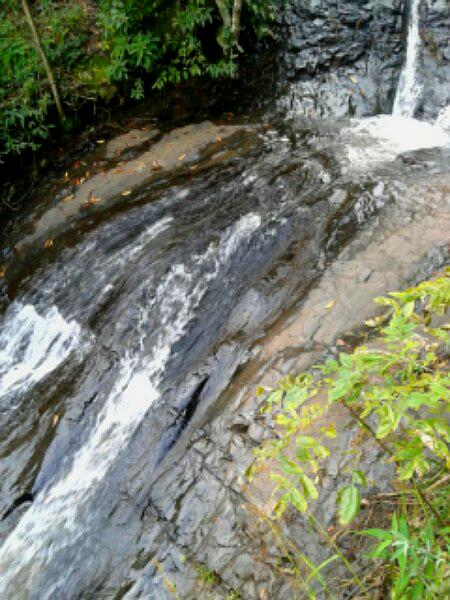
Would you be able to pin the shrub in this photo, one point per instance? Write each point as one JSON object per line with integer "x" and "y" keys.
{"x": 398, "y": 391}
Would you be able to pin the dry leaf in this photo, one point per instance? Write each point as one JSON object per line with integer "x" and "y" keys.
{"x": 353, "y": 79}
{"x": 100, "y": 141}
{"x": 93, "y": 199}
{"x": 340, "y": 342}
{"x": 182, "y": 157}
{"x": 55, "y": 420}
{"x": 2, "y": 271}
{"x": 218, "y": 139}
{"x": 262, "y": 594}
{"x": 330, "y": 304}
{"x": 126, "y": 193}
{"x": 67, "y": 198}
{"x": 48, "y": 243}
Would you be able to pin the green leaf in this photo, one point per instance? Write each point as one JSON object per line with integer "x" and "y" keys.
{"x": 309, "y": 489}
{"x": 359, "y": 477}
{"x": 379, "y": 534}
{"x": 349, "y": 502}
{"x": 298, "y": 500}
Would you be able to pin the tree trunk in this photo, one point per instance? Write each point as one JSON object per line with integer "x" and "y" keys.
{"x": 40, "y": 51}
{"x": 236, "y": 21}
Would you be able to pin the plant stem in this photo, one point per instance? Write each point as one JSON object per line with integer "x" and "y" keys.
{"x": 40, "y": 51}
{"x": 386, "y": 448}
{"x": 338, "y": 551}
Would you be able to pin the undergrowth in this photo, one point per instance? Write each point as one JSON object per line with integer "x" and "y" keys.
{"x": 100, "y": 49}
{"x": 396, "y": 388}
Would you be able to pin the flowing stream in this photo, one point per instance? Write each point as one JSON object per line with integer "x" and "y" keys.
{"x": 111, "y": 345}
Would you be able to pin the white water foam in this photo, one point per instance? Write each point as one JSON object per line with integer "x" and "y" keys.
{"x": 382, "y": 138}
{"x": 408, "y": 89}
{"x": 33, "y": 345}
{"x": 55, "y": 516}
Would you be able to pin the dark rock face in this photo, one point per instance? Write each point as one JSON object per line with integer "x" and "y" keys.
{"x": 176, "y": 500}
{"x": 342, "y": 58}
{"x": 434, "y": 69}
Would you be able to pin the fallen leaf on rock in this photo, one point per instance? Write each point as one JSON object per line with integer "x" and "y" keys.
{"x": 126, "y": 193}
{"x": 100, "y": 141}
{"x": 55, "y": 420}
{"x": 353, "y": 79}
{"x": 340, "y": 342}
{"x": 93, "y": 199}
{"x": 330, "y": 304}
{"x": 48, "y": 243}
{"x": 182, "y": 157}
{"x": 156, "y": 166}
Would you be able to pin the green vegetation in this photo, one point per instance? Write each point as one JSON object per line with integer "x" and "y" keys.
{"x": 103, "y": 48}
{"x": 205, "y": 575}
{"x": 397, "y": 388}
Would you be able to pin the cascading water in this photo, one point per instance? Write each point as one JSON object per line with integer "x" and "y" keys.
{"x": 57, "y": 513}
{"x": 408, "y": 89}
{"x": 163, "y": 289}
{"x": 32, "y": 346}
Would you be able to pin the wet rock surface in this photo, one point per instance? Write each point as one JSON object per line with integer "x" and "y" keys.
{"x": 342, "y": 58}
{"x": 205, "y": 508}
{"x": 435, "y": 58}
{"x": 187, "y": 269}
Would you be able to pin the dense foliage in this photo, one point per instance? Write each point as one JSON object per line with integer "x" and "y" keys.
{"x": 397, "y": 388}
{"x": 98, "y": 48}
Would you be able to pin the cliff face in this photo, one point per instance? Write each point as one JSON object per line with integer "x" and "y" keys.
{"x": 434, "y": 68}
{"x": 344, "y": 57}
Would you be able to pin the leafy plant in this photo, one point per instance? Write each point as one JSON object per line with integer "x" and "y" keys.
{"x": 419, "y": 561}
{"x": 99, "y": 49}
{"x": 398, "y": 391}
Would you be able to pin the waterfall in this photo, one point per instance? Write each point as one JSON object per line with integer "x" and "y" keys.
{"x": 408, "y": 88}
{"x": 59, "y": 515}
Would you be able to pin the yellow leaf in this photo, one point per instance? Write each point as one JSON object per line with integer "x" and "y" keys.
{"x": 55, "y": 420}
{"x": 353, "y": 79}
{"x": 330, "y": 304}
{"x": 48, "y": 243}
{"x": 100, "y": 141}
{"x": 182, "y": 157}
{"x": 2, "y": 271}
{"x": 126, "y": 193}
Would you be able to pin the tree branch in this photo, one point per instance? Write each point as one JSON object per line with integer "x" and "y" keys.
{"x": 40, "y": 51}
